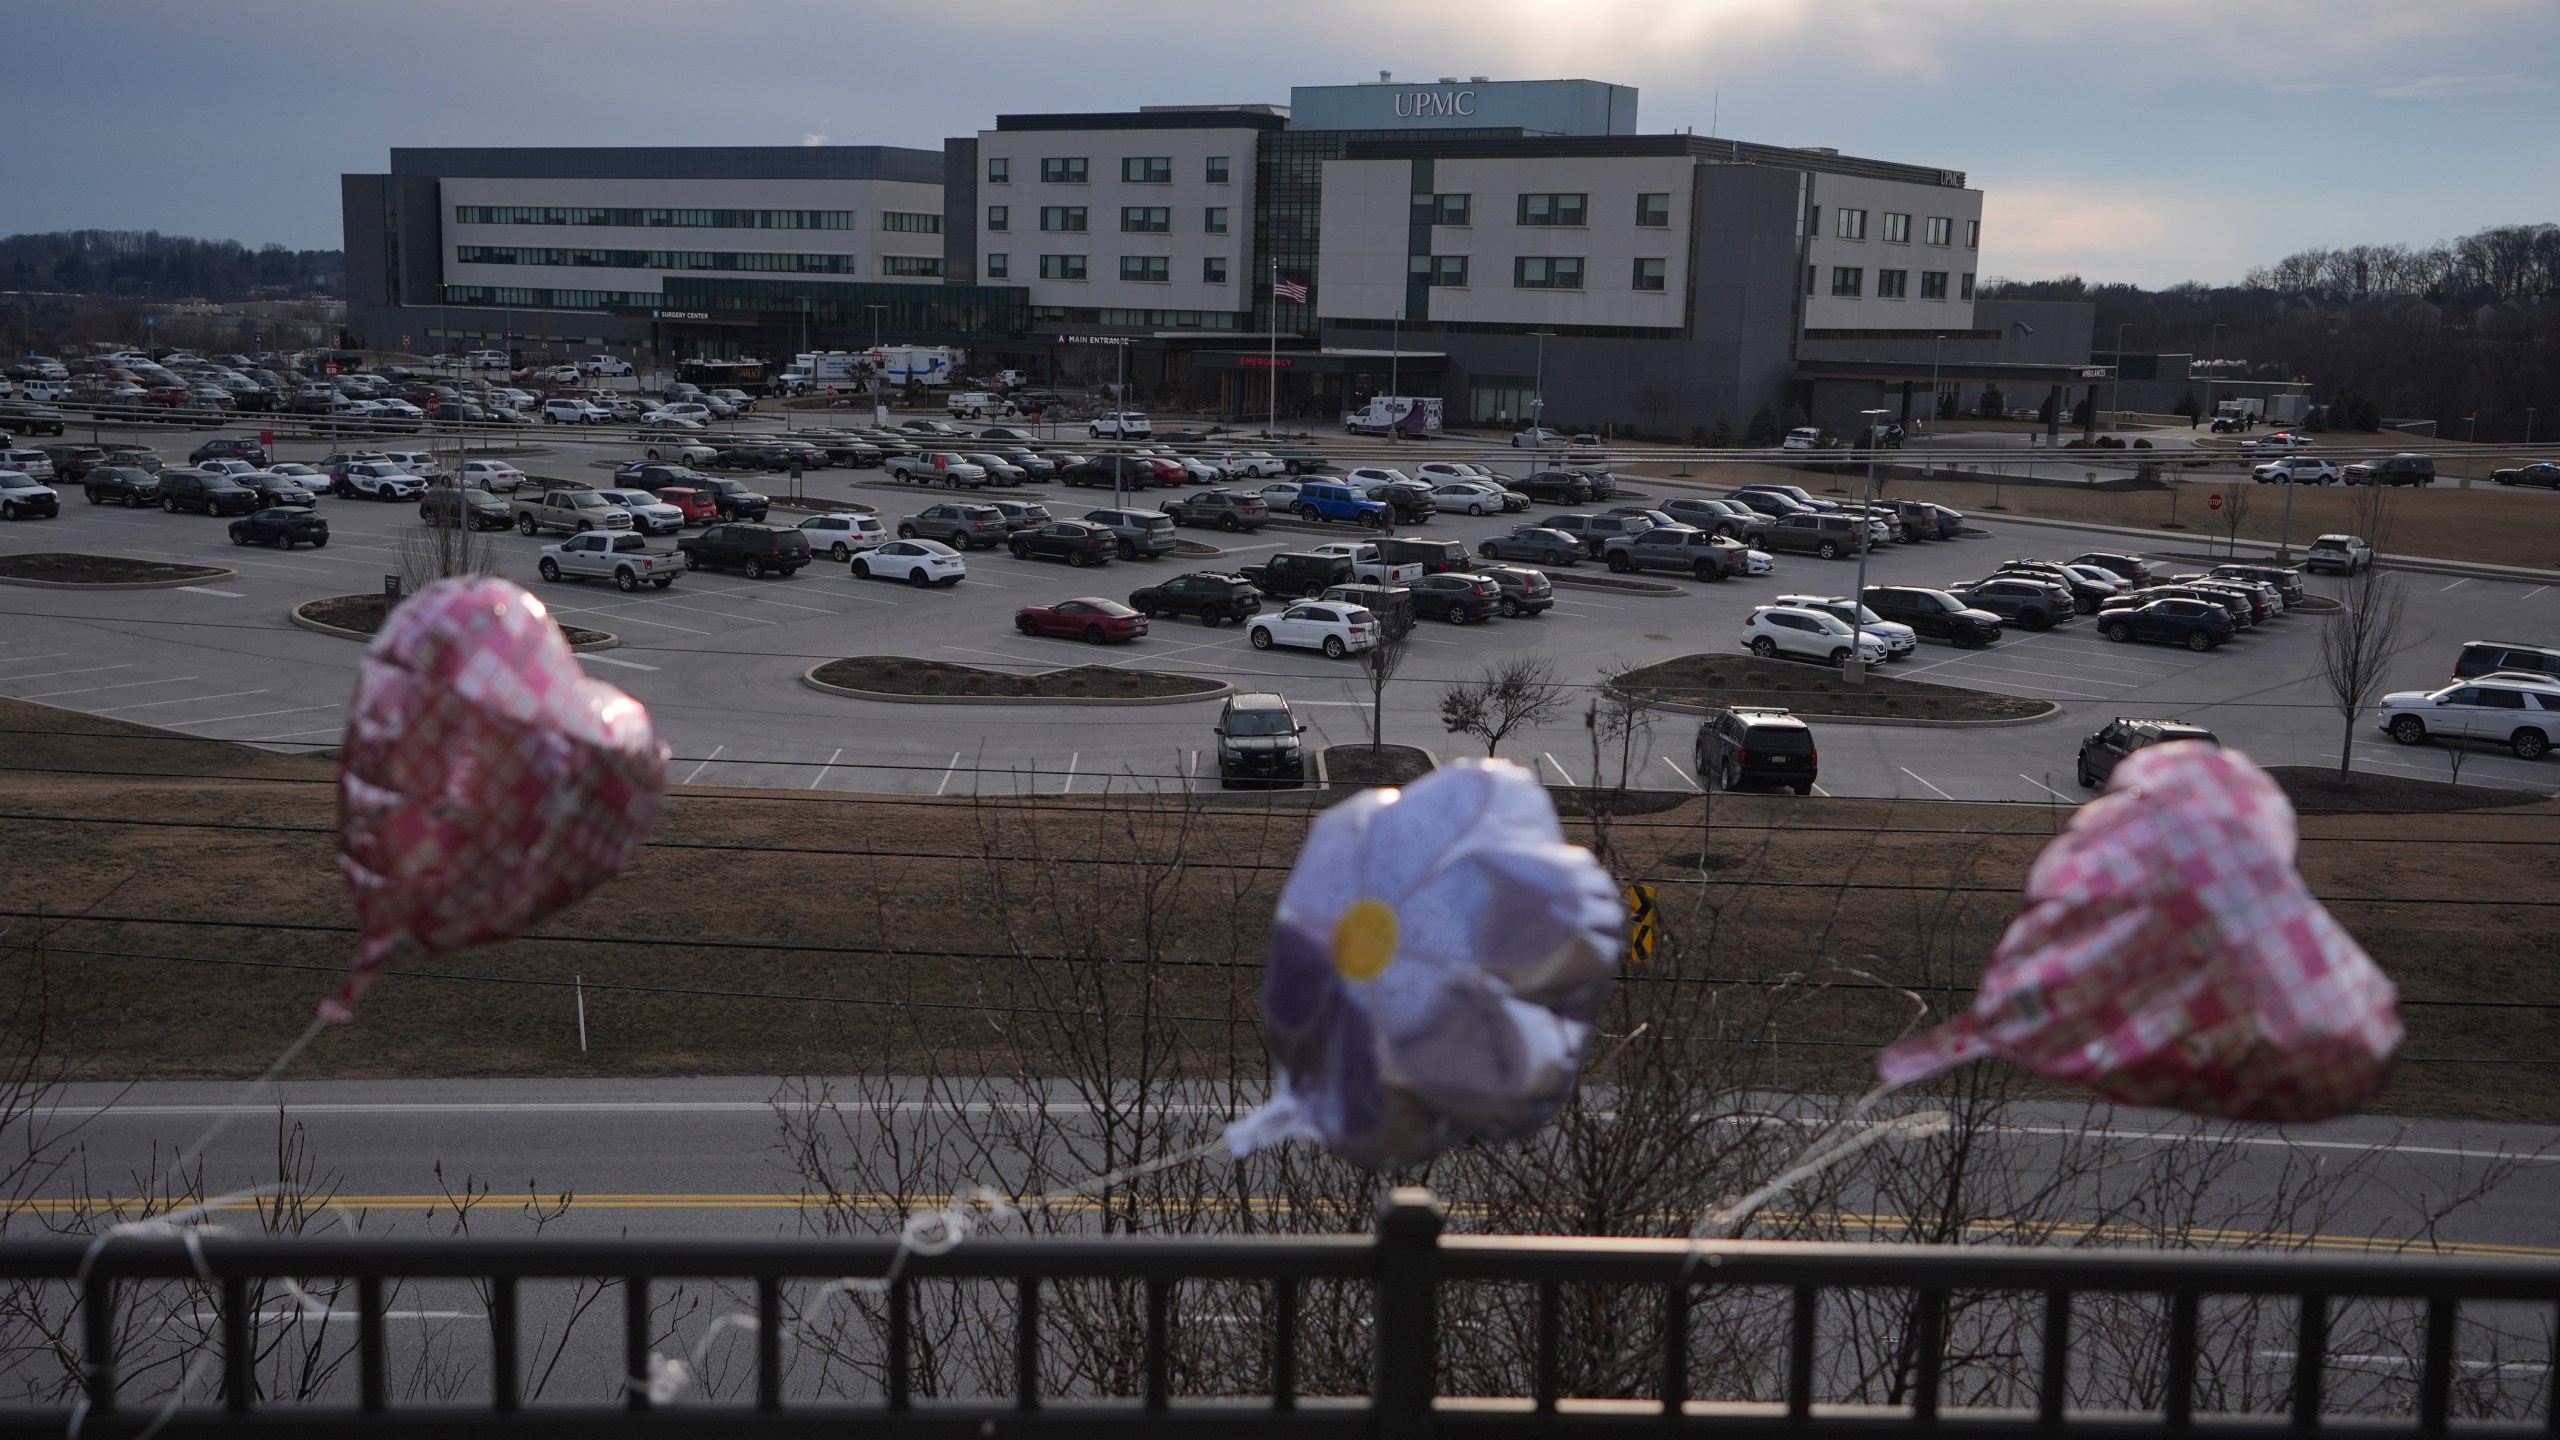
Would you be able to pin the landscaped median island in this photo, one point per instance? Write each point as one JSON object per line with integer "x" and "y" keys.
{"x": 1356, "y": 766}
{"x": 940, "y": 682}
{"x": 357, "y": 617}
{"x": 1697, "y": 682}
{"x": 53, "y": 567}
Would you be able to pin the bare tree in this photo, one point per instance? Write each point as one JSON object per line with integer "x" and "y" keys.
{"x": 444, "y": 544}
{"x": 1395, "y": 633}
{"x": 2359, "y": 641}
{"x": 2235, "y": 508}
{"x": 1510, "y": 695}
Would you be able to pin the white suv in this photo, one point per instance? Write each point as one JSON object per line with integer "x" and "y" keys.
{"x": 1122, "y": 425}
{"x": 2507, "y": 709}
{"x": 1775, "y": 630}
{"x": 560, "y": 411}
{"x": 1900, "y": 640}
{"x": 420, "y": 463}
{"x": 838, "y": 536}
{"x": 1332, "y": 627}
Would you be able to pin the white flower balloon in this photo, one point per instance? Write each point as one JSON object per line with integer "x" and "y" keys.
{"x": 1439, "y": 956}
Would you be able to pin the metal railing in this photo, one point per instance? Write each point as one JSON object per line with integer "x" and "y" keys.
{"x": 1407, "y": 1268}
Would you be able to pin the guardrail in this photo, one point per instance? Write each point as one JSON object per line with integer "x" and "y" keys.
{"x": 1410, "y": 1275}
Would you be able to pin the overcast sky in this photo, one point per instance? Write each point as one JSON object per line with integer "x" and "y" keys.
{"x": 2143, "y": 140}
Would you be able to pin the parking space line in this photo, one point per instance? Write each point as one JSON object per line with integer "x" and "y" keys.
{"x": 84, "y": 670}
{"x": 2049, "y": 790}
{"x": 1560, "y": 770}
{"x": 609, "y": 660}
{"x": 705, "y": 765}
{"x": 816, "y": 779}
{"x": 1072, "y": 758}
{"x": 2536, "y": 590}
{"x": 293, "y": 735}
{"x": 643, "y": 619}
{"x": 252, "y": 715}
{"x": 1934, "y": 790}
{"x": 209, "y": 590}
{"x": 1825, "y": 794}
{"x": 1683, "y": 774}
{"x": 18, "y": 659}
{"x": 94, "y": 689}
{"x": 947, "y": 772}
{"x": 181, "y": 700}
{"x": 2456, "y": 585}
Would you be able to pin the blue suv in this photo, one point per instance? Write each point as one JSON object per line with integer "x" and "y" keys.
{"x": 1328, "y": 500}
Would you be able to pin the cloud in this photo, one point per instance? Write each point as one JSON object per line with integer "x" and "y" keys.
{"x": 2035, "y": 228}
{"x": 2466, "y": 87}
{"x": 814, "y": 137}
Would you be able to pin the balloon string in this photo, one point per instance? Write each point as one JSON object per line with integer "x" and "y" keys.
{"x": 222, "y": 1119}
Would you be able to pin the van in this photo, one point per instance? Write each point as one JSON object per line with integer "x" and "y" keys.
{"x": 974, "y": 405}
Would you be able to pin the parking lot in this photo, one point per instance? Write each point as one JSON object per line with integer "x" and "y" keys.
{"x": 718, "y": 657}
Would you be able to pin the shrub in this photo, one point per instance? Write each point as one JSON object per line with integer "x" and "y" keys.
{"x": 893, "y": 668}
{"x": 933, "y": 674}
{"x": 1756, "y": 677}
{"x": 2140, "y": 444}
{"x": 1128, "y": 682}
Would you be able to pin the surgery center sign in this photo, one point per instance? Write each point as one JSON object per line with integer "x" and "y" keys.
{"x": 1425, "y": 104}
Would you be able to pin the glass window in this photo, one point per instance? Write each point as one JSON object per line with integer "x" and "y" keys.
{"x": 999, "y": 170}
{"x": 1941, "y": 230}
{"x": 1213, "y": 271}
{"x": 1448, "y": 209}
{"x": 1555, "y": 209}
{"x": 1061, "y": 267}
{"x": 911, "y": 265}
{"x": 1438, "y": 270}
{"x": 1542, "y": 272}
{"x": 1848, "y": 280}
{"x": 999, "y": 267}
{"x": 1897, "y": 228}
{"x": 1653, "y": 209}
{"x": 1973, "y": 234}
{"x": 1153, "y": 268}
{"x": 1146, "y": 219}
{"x": 1809, "y": 273}
{"x": 1217, "y": 170}
{"x": 1062, "y": 217}
{"x": 1649, "y": 274}
{"x": 1215, "y": 222}
{"x": 1965, "y": 291}
{"x": 1066, "y": 170}
{"x": 1851, "y": 224}
{"x": 999, "y": 217}
{"x": 910, "y": 223}
{"x": 1889, "y": 284}
{"x": 1933, "y": 284}
{"x": 1147, "y": 169}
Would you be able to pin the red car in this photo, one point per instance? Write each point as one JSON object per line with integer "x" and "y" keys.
{"x": 696, "y": 504}
{"x": 1090, "y": 616}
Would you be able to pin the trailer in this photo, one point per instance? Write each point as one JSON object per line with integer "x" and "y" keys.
{"x": 1417, "y": 416}
{"x": 930, "y": 365}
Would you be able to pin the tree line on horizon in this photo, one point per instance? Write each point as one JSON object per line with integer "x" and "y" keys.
{"x": 147, "y": 264}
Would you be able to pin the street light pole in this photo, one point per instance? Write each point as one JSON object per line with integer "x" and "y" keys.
{"x": 2119, "y": 377}
{"x": 1538, "y": 399}
{"x": 1120, "y": 398}
{"x": 879, "y": 369}
{"x": 1937, "y": 342}
{"x": 1854, "y": 671}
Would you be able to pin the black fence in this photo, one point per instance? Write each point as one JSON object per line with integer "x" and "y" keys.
{"x": 1407, "y": 1273}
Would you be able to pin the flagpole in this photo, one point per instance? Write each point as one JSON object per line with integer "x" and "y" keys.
{"x": 1271, "y": 417}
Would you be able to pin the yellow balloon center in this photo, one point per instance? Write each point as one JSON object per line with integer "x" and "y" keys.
{"x": 1364, "y": 939}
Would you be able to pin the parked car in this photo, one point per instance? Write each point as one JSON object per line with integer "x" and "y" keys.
{"x": 20, "y": 418}
{"x": 1524, "y": 591}
{"x": 126, "y": 485}
{"x": 1253, "y": 464}
{"x": 2102, "y": 752}
{"x": 1000, "y": 471}
{"x": 205, "y": 493}
{"x": 758, "y": 550}
{"x": 1337, "y": 630}
{"x": 2407, "y": 468}
{"x": 23, "y": 497}
{"x": 1594, "y": 532}
{"x": 476, "y": 509}
{"x": 1327, "y": 500}
{"x": 649, "y": 514}
{"x": 1073, "y": 541}
{"x": 2499, "y": 709}
{"x": 496, "y": 476}
{"x": 937, "y": 467}
{"x": 838, "y": 536}
{"x": 1434, "y": 556}
{"x": 623, "y": 559}
{"x": 1406, "y": 502}
{"x": 1089, "y": 617}
{"x": 732, "y": 500}
{"x": 1533, "y": 542}
{"x": 1901, "y": 641}
{"x": 1771, "y": 631}
{"x": 1680, "y": 549}
{"x": 1229, "y": 510}
{"x": 70, "y": 462}
{"x": 1022, "y": 514}
{"x": 567, "y": 512}
{"x": 1756, "y": 745}
{"x": 282, "y": 527}
{"x": 680, "y": 452}
{"x": 2192, "y": 623}
{"x": 1141, "y": 534}
{"x": 2028, "y": 603}
{"x": 1476, "y": 497}
{"x": 1209, "y": 595}
{"x": 1716, "y": 517}
{"x": 1770, "y": 505}
{"x": 2287, "y": 581}
{"x": 2133, "y": 569}
{"x": 1456, "y": 596}
{"x": 34, "y": 464}
{"x": 2296, "y": 470}
{"x": 1370, "y": 563}
{"x": 1553, "y": 487}
{"x": 374, "y": 480}
{"x": 2345, "y": 554}
{"x": 2544, "y": 473}
{"x": 2086, "y": 594}
{"x": 1121, "y": 425}
{"x": 918, "y": 562}
{"x": 1292, "y": 574}
{"x": 560, "y": 411}
{"x": 1827, "y": 536}
{"x": 2283, "y": 442}
{"x": 1536, "y": 437}
{"x": 2484, "y": 657}
{"x": 1258, "y": 741}
{"x": 275, "y": 489}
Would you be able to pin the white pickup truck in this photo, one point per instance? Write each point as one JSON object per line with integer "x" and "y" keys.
{"x": 623, "y": 559}
{"x": 567, "y": 510}
{"x": 1368, "y": 566}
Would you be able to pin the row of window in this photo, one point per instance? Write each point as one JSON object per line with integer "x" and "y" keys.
{"x": 1534, "y": 272}
{"x": 690, "y": 219}
{"x": 1852, "y": 225}
{"x": 1134, "y": 170}
{"x": 1148, "y": 269}
{"x": 1152, "y": 319}
{"x": 533, "y": 299}
{"x": 1653, "y": 209}
{"x": 1134, "y": 219}
{"x": 902, "y": 265}
{"x": 1849, "y": 281}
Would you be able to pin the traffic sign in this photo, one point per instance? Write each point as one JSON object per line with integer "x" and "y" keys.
{"x": 2213, "y": 501}
{"x": 1640, "y": 927}
{"x": 266, "y": 437}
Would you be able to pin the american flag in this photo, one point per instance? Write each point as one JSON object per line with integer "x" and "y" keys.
{"x": 1284, "y": 288}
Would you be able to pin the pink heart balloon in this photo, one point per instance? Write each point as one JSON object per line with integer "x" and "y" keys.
{"x": 485, "y": 781}
{"x": 2170, "y": 955}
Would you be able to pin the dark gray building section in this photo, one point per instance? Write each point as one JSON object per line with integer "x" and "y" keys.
{"x": 669, "y": 162}
{"x": 960, "y": 211}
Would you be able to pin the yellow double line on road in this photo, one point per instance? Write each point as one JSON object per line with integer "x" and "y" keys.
{"x": 1881, "y": 1226}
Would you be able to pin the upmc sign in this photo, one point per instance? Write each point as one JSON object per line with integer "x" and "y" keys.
{"x": 1415, "y": 104}
{"x": 1542, "y": 107}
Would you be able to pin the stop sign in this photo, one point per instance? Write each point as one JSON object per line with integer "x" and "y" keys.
{"x": 2213, "y": 501}
{"x": 266, "y": 437}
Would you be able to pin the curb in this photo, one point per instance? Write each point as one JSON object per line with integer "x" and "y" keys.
{"x": 217, "y": 575}
{"x": 809, "y": 677}
{"x": 2050, "y": 711}
{"x": 1642, "y": 589}
{"x": 610, "y": 641}
{"x": 1324, "y": 777}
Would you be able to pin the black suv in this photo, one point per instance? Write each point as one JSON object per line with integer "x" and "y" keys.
{"x": 2100, "y": 753}
{"x": 1553, "y": 487}
{"x": 1456, "y": 597}
{"x": 1073, "y": 541}
{"x": 959, "y": 525}
{"x": 229, "y": 447}
{"x": 1293, "y": 576}
{"x": 1935, "y": 615}
{"x": 1434, "y": 556}
{"x": 731, "y": 500}
{"x": 1811, "y": 533}
{"x": 1524, "y": 591}
{"x": 126, "y": 485}
{"x": 1206, "y": 593}
{"x": 1409, "y": 503}
{"x": 2479, "y": 657}
{"x": 2033, "y": 604}
{"x": 759, "y": 550}
{"x": 282, "y": 528}
{"x": 2135, "y": 571}
{"x": 70, "y": 462}
{"x": 205, "y": 493}
{"x": 1743, "y": 746}
{"x": 2195, "y": 624}
{"x": 1258, "y": 741}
